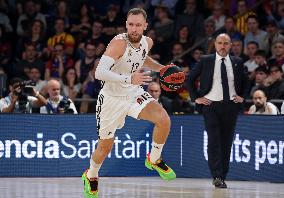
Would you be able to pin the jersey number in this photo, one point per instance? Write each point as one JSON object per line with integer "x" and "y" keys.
{"x": 134, "y": 67}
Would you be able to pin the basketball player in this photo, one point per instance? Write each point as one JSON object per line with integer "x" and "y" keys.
{"x": 122, "y": 95}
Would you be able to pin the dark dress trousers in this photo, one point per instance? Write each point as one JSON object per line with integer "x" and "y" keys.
{"x": 220, "y": 116}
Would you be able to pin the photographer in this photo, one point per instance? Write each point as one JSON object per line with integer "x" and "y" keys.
{"x": 56, "y": 103}
{"x": 22, "y": 98}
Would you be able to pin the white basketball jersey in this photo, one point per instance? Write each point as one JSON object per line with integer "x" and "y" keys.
{"x": 132, "y": 60}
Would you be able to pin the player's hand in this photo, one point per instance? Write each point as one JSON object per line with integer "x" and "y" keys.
{"x": 141, "y": 78}
{"x": 203, "y": 101}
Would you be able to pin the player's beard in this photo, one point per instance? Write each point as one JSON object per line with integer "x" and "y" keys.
{"x": 134, "y": 39}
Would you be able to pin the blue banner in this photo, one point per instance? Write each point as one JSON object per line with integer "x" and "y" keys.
{"x": 61, "y": 145}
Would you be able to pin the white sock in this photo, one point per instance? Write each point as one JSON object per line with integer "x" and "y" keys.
{"x": 93, "y": 172}
{"x": 156, "y": 151}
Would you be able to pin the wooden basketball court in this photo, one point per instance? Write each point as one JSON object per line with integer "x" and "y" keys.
{"x": 136, "y": 187}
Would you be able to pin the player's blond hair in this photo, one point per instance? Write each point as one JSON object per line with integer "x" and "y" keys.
{"x": 137, "y": 11}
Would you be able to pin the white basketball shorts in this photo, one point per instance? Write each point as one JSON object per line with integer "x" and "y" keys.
{"x": 112, "y": 110}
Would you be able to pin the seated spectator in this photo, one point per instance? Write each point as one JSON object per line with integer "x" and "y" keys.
{"x": 230, "y": 29}
{"x": 184, "y": 37}
{"x": 254, "y": 33}
{"x": 273, "y": 34}
{"x": 237, "y": 49}
{"x": 154, "y": 89}
{"x": 86, "y": 64}
{"x": 261, "y": 106}
{"x": 251, "y": 49}
{"x": 195, "y": 57}
{"x": 159, "y": 49}
{"x": 90, "y": 88}
{"x": 30, "y": 14}
{"x": 35, "y": 36}
{"x": 56, "y": 103}
{"x": 111, "y": 21}
{"x": 261, "y": 73}
{"x": 275, "y": 83}
{"x": 35, "y": 77}
{"x": 278, "y": 54}
{"x": 21, "y": 99}
{"x": 5, "y": 21}
{"x": 31, "y": 60}
{"x": 5, "y": 52}
{"x": 242, "y": 16}
{"x": 59, "y": 61}
{"x": 218, "y": 15}
{"x": 70, "y": 83}
{"x": 163, "y": 25}
{"x": 83, "y": 23}
{"x": 61, "y": 36}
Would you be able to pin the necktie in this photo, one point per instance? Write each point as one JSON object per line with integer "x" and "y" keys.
{"x": 225, "y": 84}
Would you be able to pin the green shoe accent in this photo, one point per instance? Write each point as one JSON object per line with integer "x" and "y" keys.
{"x": 162, "y": 168}
{"x": 90, "y": 187}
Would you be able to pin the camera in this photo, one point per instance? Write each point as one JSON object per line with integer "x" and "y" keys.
{"x": 26, "y": 89}
{"x": 65, "y": 105}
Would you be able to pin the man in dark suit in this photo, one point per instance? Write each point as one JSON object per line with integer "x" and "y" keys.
{"x": 223, "y": 83}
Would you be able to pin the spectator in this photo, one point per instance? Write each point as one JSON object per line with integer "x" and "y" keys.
{"x": 251, "y": 49}
{"x": 261, "y": 73}
{"x": 184, "y": 37}
{"x": 97, "y": 36}
{"x": 208, "y": 37}
{"x": 35, "y": 77}
{"x": 261, "y": 106}
{"x": 195, "y": 56}
{"x": 260, "y": 58}
{"x": 83, "y": 24}
{"x": 86, "y": 64}
{"x": 164, "y": 26}
{"x": 56, "y": 103}
{"x": 62, "y": 11}
{"x": 62, "y": 37}
{"x": 275, "y": 83}
{"x": 242, "y": 16}
{"x": 254, "y": 33}
{"x": 70, "y": 83}
{"x": 282, "y": 108}
{"x": 169, "y": 4}
{"x": 218, "y": 15}
{"x": 278, "y": 54}
{"x": 230, "y": 29}
{"x": 5, "y": 21}
{"x": 5, "y": 52}
{"x": 237, "y": 49}
{"x": 191, "y": 17}
{"x": 90, "y": 88}
{"x": 36, "y": 36}
{"x": 31, "y": 60}
{"x": 273, "y": 34}
{"x": 111, "y": 21}
{"x": 21, "y": 99}
{"x": 154, "y": 89}
{"x": 27, "y": 17}
{"x": 158, "y": 50}
{"x": 59, "y": 61}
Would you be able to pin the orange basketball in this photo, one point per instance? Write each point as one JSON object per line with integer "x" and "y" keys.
{"x": 171, "y": 78}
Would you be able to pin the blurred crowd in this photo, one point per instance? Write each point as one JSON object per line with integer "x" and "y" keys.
{"x": 56, "y": 45}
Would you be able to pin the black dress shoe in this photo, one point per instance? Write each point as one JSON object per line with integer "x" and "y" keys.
{"x": 219, "y": 183}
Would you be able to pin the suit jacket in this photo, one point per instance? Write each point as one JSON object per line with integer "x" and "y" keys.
{"x": 205, "y": 70}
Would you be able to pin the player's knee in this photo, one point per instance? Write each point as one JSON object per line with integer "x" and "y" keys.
{"x": 164, "y": 119}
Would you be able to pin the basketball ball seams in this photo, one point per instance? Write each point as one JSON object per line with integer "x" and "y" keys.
{"x": 171, "y": 78}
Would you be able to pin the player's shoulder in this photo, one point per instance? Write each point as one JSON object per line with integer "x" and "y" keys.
{"x": 119, "y": 41}
{"x": 149, "y": 42}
